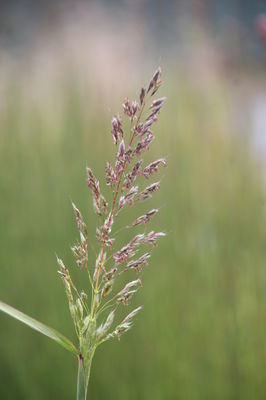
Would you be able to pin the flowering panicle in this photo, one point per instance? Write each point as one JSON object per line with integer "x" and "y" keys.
{"x": 111, "y": 262}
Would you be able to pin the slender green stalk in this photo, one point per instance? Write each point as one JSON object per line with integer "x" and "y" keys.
{"x": 84, "y": 369}
{"x": 81, "y": 381}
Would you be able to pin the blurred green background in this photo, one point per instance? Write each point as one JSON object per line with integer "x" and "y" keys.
{"x": 201, "y": 334}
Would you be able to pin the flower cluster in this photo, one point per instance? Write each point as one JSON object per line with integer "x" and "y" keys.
{"x": 111, "y": 262}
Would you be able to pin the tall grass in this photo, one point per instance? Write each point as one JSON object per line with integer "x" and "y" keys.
{"x": 202, "y": 336}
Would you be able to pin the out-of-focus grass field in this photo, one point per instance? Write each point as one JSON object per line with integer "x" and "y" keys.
{"x": 201, "y": 334}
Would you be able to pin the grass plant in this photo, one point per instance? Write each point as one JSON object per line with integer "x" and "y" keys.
{"x": 94, "y": 313}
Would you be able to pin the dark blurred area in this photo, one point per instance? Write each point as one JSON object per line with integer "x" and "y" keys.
{"x": 65, "y": 68}
{"x": 229, "y": 21}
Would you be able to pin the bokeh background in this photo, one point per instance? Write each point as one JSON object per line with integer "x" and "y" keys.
{"x": 65, "y": 68}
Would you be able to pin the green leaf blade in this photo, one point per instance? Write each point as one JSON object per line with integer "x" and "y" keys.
{"x": 39, "y": 327}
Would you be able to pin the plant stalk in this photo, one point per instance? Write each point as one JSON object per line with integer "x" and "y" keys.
{"x": 83, "y": 378}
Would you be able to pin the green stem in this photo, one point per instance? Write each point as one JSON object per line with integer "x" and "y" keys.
{"x": 81, "y": 381}
{"x": 83, "y": 377}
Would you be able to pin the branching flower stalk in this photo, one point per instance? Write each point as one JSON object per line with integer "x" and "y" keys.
{"x": 111, "y": 262}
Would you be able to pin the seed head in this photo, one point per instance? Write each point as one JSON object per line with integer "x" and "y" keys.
{"x": 122, "y": 178}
